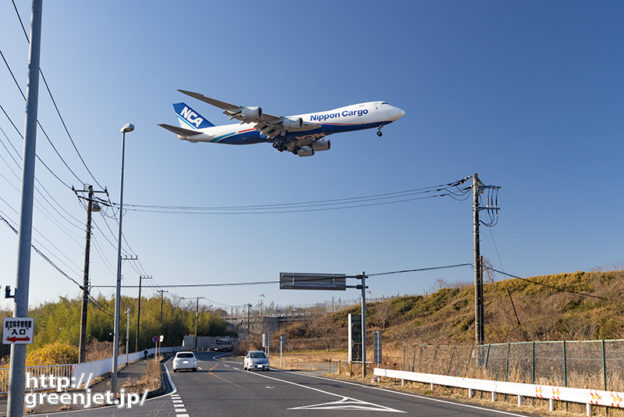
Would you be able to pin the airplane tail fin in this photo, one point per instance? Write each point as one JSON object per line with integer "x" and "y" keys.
{"x": 189, "y": 118}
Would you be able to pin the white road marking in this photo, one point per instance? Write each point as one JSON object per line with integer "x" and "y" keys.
{"x": 348, "y": 404}
{"x": 413, "y": 395}
{"x": 180, "y": 410}
{"x": 343, "y": 398}
{"x": 182, "y": 415}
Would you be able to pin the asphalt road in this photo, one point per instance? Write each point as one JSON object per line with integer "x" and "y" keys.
{"x": 221, "y": 388}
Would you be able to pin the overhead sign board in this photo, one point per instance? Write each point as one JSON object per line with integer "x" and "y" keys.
{"x": 301, "y": 281}
{"x": 18, "y": 330}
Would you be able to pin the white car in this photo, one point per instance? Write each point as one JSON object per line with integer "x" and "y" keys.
{"x": 185, "y": 360}
{"x": 256, "y": 359}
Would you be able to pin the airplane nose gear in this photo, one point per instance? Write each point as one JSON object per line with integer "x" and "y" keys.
{"x": 379, "y": 131}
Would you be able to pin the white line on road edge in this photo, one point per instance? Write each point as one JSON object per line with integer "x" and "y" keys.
{"x": 86, "y": 410}
{"x": 410, "y": 395}
{"x": 360, "y": 403}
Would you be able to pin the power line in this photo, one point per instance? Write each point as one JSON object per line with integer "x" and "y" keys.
{"x": 38, "y": 157}
{"x": 40, "y": 125}
{"x": 225, "y": 284}
{"x": 45, "y": 257}
{"x": 303, "y": 210}
{"x": 58, "y": 112}
{"x": 446, "y": 189}
{"x": 563, "y": 289}
{"x": 404, "y": 271}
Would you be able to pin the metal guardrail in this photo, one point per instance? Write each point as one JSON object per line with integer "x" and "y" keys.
{"x": 57, "y": 371}
{"x": 588, "y": 397}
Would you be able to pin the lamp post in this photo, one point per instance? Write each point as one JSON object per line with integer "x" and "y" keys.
{"x": 127, "y": 128}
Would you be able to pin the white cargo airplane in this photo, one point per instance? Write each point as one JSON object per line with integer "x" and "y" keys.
{"x": 301, "y": 134}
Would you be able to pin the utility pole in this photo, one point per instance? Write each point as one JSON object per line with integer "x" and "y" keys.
{"x": 196, "y": 314}
{"x": 162, "y": 292}
{"x": 138, "y": 329}
{"x": 492, "y": 209}
{"x": 248, "y": 319}
{"x": 363, "y": 278}
{"x": 15, "y": 399}
{"x": 92, "y": 206}
{"x": 478, "y": 277}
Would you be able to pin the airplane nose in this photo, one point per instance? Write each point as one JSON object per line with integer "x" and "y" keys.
{"x": 398, "y": 113}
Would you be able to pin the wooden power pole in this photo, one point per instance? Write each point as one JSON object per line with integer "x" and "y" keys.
{"x": 91, "y": 207}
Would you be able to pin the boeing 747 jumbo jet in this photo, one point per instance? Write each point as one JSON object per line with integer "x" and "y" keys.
{"x": 302, "y": 134}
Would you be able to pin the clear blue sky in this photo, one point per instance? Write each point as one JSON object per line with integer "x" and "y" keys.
{"x": 528, "y": 94}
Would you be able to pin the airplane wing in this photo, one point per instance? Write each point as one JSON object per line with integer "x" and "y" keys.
{"x": 267, "y": 124}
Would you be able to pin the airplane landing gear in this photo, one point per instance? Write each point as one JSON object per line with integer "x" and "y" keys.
{"x": 379, "y": 131}
{"x": 279, "y": 145}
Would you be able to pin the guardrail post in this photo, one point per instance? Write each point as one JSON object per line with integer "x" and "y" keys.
{"x": 588, "y": 410}
{"x": 551, "y": 404}
{"x": 470, "y": 393}
{"x": 519, "y": 400}
{"x": 493, "y": 396}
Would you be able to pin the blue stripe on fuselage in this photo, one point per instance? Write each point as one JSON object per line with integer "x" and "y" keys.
{"x": 248, "y": 138}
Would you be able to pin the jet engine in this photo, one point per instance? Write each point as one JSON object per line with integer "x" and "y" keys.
{"x": 321, "y": 145}
{"x": 305, "y": 151}
{"x": 250, "y": 114}
{"x": 291, "y": 124}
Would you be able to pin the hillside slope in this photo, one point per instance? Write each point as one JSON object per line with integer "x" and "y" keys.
{"x": 567, "y": 306}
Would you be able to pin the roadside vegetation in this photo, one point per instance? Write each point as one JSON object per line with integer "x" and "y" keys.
{"x": 57, "y": 327}
{"x": 567, "y": 306}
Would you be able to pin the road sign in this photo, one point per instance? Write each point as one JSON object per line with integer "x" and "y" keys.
{"x": 283, "y": 339}
{"x": 18, "y": 330}
{"x": 155, "y": 339}
{"x": 162, "y": 338}
{"x": 299, "y": 281}
{"x": 266, "y": 339}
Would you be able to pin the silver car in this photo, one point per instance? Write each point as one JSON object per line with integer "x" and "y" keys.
{"x": 256, "y": 360}
{"x": 185, "y": 360}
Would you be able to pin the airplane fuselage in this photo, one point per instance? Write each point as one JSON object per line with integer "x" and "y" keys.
{"x": 360, "y": 116}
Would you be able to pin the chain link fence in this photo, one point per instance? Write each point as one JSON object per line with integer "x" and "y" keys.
{"x": 597, "y": 364}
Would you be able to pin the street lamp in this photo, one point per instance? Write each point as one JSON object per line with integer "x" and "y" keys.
{"x": 129, "y": 127}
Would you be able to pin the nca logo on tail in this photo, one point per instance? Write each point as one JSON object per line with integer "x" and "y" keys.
{"x": 191, "y": 116}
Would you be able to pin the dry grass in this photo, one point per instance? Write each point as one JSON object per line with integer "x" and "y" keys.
{"x": 151, "y": 379}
